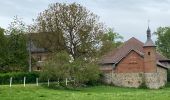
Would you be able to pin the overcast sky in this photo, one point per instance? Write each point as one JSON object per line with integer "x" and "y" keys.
{"x": 127, "y": 17}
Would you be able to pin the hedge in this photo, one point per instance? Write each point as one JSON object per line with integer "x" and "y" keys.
{"x": 18, "y": 77}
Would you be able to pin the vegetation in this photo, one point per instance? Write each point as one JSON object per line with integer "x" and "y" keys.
{"x": 33, "y": 92}
{"x": 61, "y": 66}
{"x": 69, "y": 27}
{"x": 163, "y": 41}
{"x": 110, "y": 40}
{"x": 13, "y": 44}
{"x": 18, "y": 77}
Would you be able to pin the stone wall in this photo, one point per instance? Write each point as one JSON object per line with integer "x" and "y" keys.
{"x": 124, "y": 79}
{"x": 152, "y": 80}
{"x": 156, "y": 80}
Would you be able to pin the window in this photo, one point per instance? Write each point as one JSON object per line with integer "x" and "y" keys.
{"x": 39, "y": 58}
{"x": 149, "y": 53}
{"x": 38, "y": 68}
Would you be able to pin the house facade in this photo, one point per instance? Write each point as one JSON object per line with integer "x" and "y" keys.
{"x": 134, "y": 64}
{"x": 39, "y": 56}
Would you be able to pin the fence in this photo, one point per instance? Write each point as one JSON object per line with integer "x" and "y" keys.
{"x": 37, "y": 81}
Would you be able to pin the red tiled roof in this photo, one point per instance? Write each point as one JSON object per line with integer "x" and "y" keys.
{"x": 116, "y": 55}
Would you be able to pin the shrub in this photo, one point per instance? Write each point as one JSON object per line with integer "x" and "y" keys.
{"x": 18, "y": 77}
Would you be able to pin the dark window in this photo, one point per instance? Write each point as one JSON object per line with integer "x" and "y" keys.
{"x": 149, "y": 53}
{"x": 39, "y": 58}
{"x": 38, "y": 68}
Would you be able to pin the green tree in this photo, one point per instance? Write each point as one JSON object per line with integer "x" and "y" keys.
{"x": 110, "y": 40}
{"x": 163, "y": 40}
{"x": 3, "y": 50}
{"x": 13, "y": 44}
{"x": 61, "y": 66}
{"x": 69, "y": 27}
{"x": 57, "y": 67}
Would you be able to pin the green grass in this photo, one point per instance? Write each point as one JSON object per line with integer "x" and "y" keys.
{"x": 32, "y": 92}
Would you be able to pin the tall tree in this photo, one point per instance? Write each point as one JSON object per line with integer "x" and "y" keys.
{"x": 163, "y": 40}
{"x": 16, "y": 55}
{"x": 69, "y": 27}
{"x": 3, "y": 50}
{"x": 110, "y": 40}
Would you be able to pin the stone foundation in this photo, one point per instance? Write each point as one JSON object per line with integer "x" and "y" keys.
{"x": 152, "y": 80}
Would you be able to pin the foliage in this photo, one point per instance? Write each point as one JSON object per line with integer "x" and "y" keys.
{"x": 13, "y": 53}
{"x": 163, "y": 40}
{"x": 69, "y": 27}
{"x": 3, "y": 49}
{"x": 84, "y": 71}
{"x": 18, "y": 77}
{"x": 56, "y": 67}
{"x": 61, "y": 67}
{"x": 110, "y": 40}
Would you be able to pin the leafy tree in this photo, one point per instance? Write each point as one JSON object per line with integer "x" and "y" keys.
{"x": 13, "y": 52}
{"x": 3, "y": 50}
{"x": 69, "y": 27}
{"x": 84, "y": 71}
{"x": 110, "y": 40}
{"x": 56, "y": 67}
{"x": 60, "y": 67}
{"x": 163, "y": 40}
{"x": 17, "y": 42}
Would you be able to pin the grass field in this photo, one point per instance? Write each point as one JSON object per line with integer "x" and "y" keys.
{"x": 33, "y": 92}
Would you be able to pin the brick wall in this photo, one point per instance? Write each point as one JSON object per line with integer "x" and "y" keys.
{"x": 132, "y": 63}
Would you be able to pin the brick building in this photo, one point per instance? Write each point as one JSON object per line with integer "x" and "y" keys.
{"x": 135, "y": 63}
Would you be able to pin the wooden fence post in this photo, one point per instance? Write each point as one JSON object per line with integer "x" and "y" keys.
{"x": 37, "y": 81}
{"x": 58, "y": 81}
{"x": 10, "y": 82}
{"x": 48, "y": 82}
{"x": 24, "y": 81}
{"x": 66, "y": 81}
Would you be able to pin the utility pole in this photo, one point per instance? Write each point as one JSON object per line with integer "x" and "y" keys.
{"x": 29, "y": 52}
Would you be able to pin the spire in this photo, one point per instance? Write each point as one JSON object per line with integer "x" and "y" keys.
{"x": 149, "y": 41}
{"x": 148, "y": 33}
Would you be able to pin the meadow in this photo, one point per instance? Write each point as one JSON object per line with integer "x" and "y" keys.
{"x": 33, "y": 92}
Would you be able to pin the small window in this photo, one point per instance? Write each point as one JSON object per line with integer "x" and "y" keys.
{"x": 38, "y": 68}
{"x": 149, "y": 53}
{"x": 39, "y": 58}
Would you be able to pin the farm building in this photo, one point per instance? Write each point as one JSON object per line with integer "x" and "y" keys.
{"x": 134, "y": 64}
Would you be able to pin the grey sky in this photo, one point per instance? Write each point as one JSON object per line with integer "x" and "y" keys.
{"x": 127, "y": 17}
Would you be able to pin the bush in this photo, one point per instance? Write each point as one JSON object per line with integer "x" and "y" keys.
{"x": 18, "y": 77}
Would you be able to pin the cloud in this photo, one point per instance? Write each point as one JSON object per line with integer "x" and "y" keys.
{"x": 127, "y": 17}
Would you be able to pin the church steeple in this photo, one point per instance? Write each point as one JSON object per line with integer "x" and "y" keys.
{"x": 148, "y": 33}
{"x": 149, "y": 54}
{"x": 149, "y": 41}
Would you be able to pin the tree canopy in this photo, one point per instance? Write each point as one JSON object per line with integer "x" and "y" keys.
{"x": 163, "y": 40}
{"x": 13, "y": 44}
{"x": 69, "y": 27}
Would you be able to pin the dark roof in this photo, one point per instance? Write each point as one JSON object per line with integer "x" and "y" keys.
{"x": 35, "y": 49}
{"x": 161, "y": 65}
{"x": 149, "y": 41}
{"x": 116, "y": 55}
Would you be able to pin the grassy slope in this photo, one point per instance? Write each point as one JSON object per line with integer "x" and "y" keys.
{"x": 32, "y": 92}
